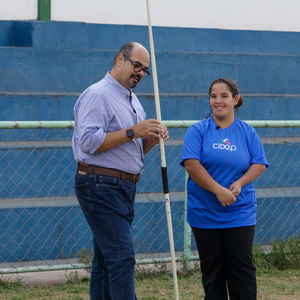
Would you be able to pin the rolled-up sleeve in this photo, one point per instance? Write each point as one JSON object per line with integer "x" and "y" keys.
{"x": 93, "y": 119}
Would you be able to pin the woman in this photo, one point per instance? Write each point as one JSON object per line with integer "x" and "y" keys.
{"x": 223, "y": 155}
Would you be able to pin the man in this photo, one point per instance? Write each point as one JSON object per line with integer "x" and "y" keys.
{"x": 111, "y": 136}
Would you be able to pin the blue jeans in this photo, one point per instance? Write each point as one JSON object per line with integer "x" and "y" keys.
{"x": 108, "y": 205}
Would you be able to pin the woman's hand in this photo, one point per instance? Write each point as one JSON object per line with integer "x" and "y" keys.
{"x": 199, "y": 174}
{"x": 225, "y": 196}
{"x": 235, "y": 188}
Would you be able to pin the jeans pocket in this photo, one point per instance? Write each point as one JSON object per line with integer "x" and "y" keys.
{"x": 109, "y": 182}
{"x": 83, "y": 194}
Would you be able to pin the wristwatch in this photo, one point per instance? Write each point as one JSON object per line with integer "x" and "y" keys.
{"x": 130, "y": 133}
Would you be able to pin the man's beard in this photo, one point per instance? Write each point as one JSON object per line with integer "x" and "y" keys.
{"x": 133, "y": 84}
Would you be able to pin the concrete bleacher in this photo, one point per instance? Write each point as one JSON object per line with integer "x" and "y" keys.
{"x": 46, "y": 65}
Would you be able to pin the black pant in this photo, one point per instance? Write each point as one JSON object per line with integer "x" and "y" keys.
{"x": 226, "y": 262}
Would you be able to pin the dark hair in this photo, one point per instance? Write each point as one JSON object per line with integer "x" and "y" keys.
{"x": 232, "y": 88}
{"x": 125, "y": 50}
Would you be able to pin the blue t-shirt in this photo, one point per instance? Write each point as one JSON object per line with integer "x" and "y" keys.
{"x": 226, "y": 154}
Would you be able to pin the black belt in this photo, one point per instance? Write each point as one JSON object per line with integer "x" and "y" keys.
{"x": 85, "y": 168}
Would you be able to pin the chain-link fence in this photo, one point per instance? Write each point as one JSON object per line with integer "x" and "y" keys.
{"x": 42, "y": 226}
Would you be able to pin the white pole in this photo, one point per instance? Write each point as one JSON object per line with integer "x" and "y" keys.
{"x": 163, "y": 157}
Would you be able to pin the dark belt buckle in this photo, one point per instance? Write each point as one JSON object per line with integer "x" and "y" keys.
{"x": 135, "y": 178}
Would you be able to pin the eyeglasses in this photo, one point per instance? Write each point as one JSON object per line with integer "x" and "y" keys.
{"x": 137, "y": 66}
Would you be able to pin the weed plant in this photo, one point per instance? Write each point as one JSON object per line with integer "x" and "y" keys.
{"x": 10, "y": 284}
{"x": 283, "y": 254}
{"x": 86, "y": 257}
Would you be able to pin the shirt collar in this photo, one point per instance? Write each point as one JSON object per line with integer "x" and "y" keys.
{"x": 124, "y": 92}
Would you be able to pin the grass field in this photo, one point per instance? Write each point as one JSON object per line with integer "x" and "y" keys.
{"x": 278, "y": 278}
{"x": 272, "y": 285}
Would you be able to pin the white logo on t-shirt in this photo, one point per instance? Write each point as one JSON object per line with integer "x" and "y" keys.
{"x": 224, "y": 145}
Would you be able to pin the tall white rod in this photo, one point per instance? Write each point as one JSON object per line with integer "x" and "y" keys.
{"x": 163, "y": 157}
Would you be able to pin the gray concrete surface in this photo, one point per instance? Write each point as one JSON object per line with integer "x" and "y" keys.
{"x": 44, "y": 277}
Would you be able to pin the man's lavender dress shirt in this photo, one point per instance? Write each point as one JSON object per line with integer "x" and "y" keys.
{"x": 106, "y": 107}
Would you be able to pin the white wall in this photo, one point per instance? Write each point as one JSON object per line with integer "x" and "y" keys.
{"x": 275, "y": 15}
{"x": 18, "y": 9}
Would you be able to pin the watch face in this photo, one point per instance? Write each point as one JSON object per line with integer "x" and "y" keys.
{"x": 130, "y": 133}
